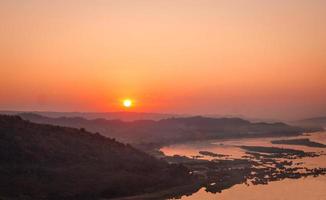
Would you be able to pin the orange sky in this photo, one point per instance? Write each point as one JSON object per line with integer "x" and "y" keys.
{"x": 258, "y": 58}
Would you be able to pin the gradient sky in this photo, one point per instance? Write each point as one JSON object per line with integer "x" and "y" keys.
{"x": 256, "y": 58}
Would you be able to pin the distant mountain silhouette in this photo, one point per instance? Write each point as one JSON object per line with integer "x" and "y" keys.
{"x": 125, "y": 116}
{"x": 172, "y": 129}
{"x": 312, "y": 122}
{"x": 51, "y": 162}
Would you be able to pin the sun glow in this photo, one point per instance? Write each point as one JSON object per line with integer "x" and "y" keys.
{"x": 127, "y": 103}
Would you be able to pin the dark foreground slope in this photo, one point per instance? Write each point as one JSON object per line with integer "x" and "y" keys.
{"x": 171, "y": 130}
{"x": 51, "y": 162}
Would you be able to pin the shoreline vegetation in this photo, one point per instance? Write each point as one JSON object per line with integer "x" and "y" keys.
{"x": 261, "y": 165}
{"x": 257, "y": 167}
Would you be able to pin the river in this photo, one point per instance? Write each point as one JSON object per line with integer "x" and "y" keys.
{"x": 312, "y": 188}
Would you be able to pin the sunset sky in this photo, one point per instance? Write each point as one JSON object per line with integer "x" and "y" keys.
{"x": 258, "y": 58}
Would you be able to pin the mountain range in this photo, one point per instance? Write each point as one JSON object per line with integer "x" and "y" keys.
{"x": 124, "y": 116}
{"x": 311, "y": 122}
{"x": 171, "y": 130}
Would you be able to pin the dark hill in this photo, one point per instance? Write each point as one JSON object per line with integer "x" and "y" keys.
{"x": 52, "y": 162}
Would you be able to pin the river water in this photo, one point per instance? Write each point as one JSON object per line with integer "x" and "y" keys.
{"x": 310, "y": 188}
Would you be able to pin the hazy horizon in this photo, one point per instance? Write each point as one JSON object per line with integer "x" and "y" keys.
{"x": 122, "y": 112}
{"x": 256, "y": 58}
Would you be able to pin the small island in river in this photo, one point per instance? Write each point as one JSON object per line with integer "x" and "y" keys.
{"x": 302, "y": 142}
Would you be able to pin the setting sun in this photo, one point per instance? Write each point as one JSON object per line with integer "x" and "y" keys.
{"x": 127, "y": 103}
